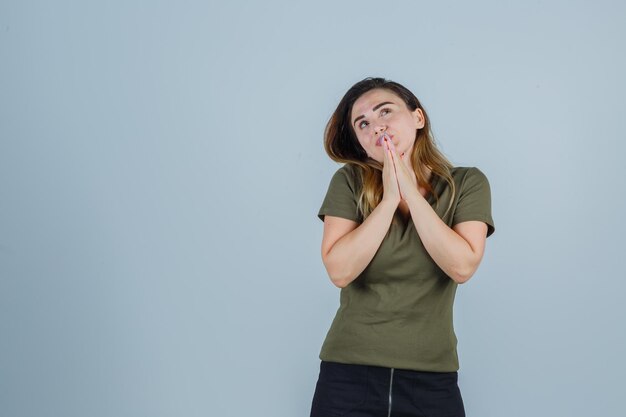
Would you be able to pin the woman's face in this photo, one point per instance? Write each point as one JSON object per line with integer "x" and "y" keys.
{"x": 379, "y": 111}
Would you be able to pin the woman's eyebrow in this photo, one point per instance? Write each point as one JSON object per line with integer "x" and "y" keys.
{"x": 376, "y": 107}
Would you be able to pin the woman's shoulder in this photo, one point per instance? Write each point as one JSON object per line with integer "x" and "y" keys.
{"x": 350, "y": 171}
{"x": 461, "y": 173}
{"x": 469, "y": 178}
{"x": 346, "y": 175}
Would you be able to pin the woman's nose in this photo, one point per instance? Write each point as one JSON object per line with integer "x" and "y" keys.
{"x": 380, "y": 129}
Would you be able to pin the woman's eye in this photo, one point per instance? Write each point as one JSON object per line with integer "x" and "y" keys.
{"x": 362, "y": 125}
{"x": 384, "y": 111}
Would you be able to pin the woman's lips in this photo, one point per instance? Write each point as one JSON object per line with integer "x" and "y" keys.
{"x": 379, "y": 141}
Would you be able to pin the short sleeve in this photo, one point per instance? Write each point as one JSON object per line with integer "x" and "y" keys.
{"x": 341, "y": 197}
{"x": 474, "y": 201}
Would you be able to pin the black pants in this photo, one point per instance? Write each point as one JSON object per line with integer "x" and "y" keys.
{"x": 373, "y": 391}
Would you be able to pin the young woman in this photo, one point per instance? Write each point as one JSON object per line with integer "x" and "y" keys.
{"x": 402, "y": 228}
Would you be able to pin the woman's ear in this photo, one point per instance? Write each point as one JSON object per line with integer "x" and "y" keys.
{"x": 418, "y": 117}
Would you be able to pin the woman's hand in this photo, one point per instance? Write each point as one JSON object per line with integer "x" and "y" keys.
{"x": 407, "y": 183}
{"x": 391, "y": 189}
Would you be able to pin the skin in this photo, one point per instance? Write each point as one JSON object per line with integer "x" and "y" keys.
{"x": 347, "y": 247}
{"x": 396, "y": 119}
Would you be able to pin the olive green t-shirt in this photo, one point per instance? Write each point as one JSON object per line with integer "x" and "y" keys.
{"x": 398, "y": 312}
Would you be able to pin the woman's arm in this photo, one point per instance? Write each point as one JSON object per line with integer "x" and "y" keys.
{"x": 457, "y": 251}
{"x": 348, "y": 248}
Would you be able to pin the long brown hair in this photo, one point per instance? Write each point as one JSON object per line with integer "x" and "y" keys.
{"x": 342, "y": 145}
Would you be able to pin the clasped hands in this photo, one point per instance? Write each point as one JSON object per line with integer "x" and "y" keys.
{"x": 399, "y": 182}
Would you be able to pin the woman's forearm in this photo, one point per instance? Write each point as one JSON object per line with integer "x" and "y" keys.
{"x": 453, "y": 254}
{"x": 351, "y": 254}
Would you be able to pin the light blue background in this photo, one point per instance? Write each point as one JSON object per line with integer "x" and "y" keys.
{"x": 161, "y": 167}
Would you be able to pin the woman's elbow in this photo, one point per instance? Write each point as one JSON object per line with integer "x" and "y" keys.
{"x": 463, "y": 273}
{"x": 339, "y": 278}
{"x": 461, "y": 278}
{"x": 337, "y": 274}
{"x": 334, "y": 269}
{"x": 339, "y": 283}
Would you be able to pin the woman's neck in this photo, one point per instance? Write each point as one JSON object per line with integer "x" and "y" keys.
{"x": 409, "y": 165}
